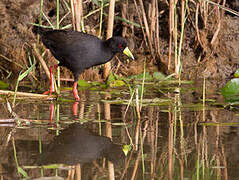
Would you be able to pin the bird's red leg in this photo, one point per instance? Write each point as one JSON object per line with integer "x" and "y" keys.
{"x": 75, "y": 91}
{"x": 52, "y": 110}
{"x": 75, "y": 108}
{"x": 52, "y": 87}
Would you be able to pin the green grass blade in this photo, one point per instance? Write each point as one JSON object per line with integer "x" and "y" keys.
{"x": 22, "y": 172}
{"x": 23, "y": 75}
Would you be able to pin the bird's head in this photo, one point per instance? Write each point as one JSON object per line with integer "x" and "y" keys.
{"x": 119, "y": 45}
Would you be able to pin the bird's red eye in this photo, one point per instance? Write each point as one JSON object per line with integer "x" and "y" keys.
{"x": 120, "y": 46}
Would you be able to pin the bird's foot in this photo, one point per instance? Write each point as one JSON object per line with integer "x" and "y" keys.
{"x": 52, "y": 89}
{"x": 75, "y": 92}
{"x": 48, "y": 92}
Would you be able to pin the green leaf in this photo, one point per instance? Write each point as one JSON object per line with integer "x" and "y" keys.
{"x": 126, "y": 149}
{"x": 117, "y": 83}
{"x": 141, "y": 76}
{"x": 114, "y": 81}
{"x": 95, "y": 83}
{"x": 128, "y": 21}
{"x": 23, "y": 75}
{"x": 3, "y": 85}
{"x": 83, "y": 83}
{"x": 141, "y": 90}
{"x": 231, "y": 91}
{"x": 159, "y": 76}
{"x": 110, "y": 79}
{"x": 236, "y": 74}
{"x": 51, "y": 166}
{"x": 24, "y": 173}
{"x": 95, "y": 2}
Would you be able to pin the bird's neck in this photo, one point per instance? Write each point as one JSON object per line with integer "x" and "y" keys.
{"x": 108, "y": 53}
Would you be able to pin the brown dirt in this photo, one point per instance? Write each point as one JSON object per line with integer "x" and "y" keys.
{"x": 217, "y": 61}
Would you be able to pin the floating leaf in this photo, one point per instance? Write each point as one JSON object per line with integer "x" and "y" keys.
{"x": 83, "y": 83}
{"x": 95, "y": 83}
{"x": 117, "y": 83}
{"x": 231, "y": 91}
{"x": 114, "y": 81}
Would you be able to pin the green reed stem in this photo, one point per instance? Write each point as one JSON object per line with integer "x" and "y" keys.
{"x": 57, "y": 27}
{"x": 47, "y": 19}
{"x": 57, "y": 118}
{"x": 67, "y": 5}
{"x": 204, "y": 99}
{"x": 198, "y": 167}
{"x": 40, "y": 19}
{"x": 142, "y": 89}
{"x": 176, "y": 37}
{"x": 95, "y": 11}
{"x": 101, "y": 17}
{"x": 57, "y": 13}
{"x": 41, "y": 11}
{"x": 19, "y": 169}
{"x": 82, "y": 26}
{"x": 124, "y": 20}
{"x": 68, "y": 26}
{"x": 15, "y": 93}
{"x": 181, "y": 42}
{"x": 39, "y": 141}
{"x": 40, "y": 148}
{"x": 99, "y": 119}
{"x": 15, "y": 154}
{"x": 58, "y": 80}
{"x": 142, "y": 153}
{"x": 57, "y": 126}
{"x": 20, "y": 78}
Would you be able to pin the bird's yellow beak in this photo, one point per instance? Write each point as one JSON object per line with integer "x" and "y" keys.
{"x": 128, "y": 53}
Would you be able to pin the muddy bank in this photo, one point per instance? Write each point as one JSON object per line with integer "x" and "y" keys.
{"x": 199, "y": 56}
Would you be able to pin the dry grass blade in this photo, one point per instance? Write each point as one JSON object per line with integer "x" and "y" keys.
{"x": 223, "y": 7}
{"x": 107, "y": 66}
{"x": 77, "y": 9}
{"x": 146, "y": 25}
{"x": 24, "y": 94}
{"x": 43, "y": 63}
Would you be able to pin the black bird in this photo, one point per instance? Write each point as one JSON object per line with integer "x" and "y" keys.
{"x": 77, "y": 144}
{"x": 79, "y": 51}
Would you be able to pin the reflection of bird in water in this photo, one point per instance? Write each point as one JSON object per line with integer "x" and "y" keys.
{"x": 76, "y": 145}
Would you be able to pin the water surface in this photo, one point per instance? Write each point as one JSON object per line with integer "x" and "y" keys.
{"x": 175, "y": 136}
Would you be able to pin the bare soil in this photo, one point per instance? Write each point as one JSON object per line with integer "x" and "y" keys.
{"x": 199, "y": 60}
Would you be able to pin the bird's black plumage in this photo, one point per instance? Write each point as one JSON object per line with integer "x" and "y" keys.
{"x": 79, "y": 51}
